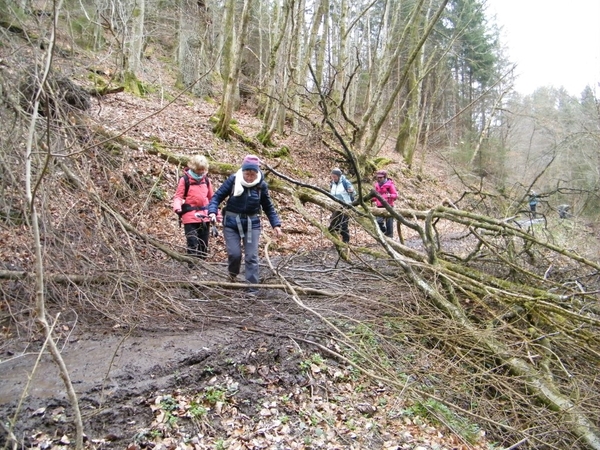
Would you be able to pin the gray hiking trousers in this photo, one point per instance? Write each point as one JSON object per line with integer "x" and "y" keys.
{"x": 234, "y": 244}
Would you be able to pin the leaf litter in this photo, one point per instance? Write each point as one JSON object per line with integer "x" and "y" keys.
{"x": 174, "y": 386}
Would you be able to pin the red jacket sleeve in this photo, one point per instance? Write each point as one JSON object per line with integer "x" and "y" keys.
{"x": 393, "y": 193}
{"x": 178, "y": 198}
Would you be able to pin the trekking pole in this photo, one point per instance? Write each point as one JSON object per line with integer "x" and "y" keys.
{"x": 214, "y": 231}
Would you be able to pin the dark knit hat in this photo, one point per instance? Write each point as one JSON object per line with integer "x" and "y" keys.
{"x": 251, "y": 162}
{"x": 337, "y": 172}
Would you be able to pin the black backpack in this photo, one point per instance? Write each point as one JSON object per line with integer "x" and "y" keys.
{"x": 186, "y": 179}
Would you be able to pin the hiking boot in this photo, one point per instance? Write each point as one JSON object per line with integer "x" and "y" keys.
{"x": 232, "y": 278}
{"x": 252, "y": 293}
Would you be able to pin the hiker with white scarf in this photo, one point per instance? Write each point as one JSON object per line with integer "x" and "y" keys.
{"x": 247, "y": 194}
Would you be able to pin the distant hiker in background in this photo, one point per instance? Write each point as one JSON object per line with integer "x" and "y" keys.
{"x": 385, "y": 187}
{"x": 194, "y": 191}
{"x": 533, "y": 201}
{"x": 563, "y": 211}
{"x": 343, "y": 190}
{"x": 247, "y": 194}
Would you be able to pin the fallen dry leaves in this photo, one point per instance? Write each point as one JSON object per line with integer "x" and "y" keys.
{"x": 330, "y": 408}
{"x": 327, "y": 407}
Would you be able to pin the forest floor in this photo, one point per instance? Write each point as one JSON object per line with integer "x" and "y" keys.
{"x": 242, "y": 372}
{"x": 220, "y": 369}
{"x": 245, "y": 373}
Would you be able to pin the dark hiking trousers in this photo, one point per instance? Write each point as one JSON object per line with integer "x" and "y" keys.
{"x": 235, "y": 243}
{"x": 339, "y": 224}
{"x": 196, "y": 236}
{"x": 386, "y": 225}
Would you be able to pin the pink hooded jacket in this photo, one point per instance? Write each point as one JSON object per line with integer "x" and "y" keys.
{"x": 387, "y": 190}
{"x": 199, "y": 195}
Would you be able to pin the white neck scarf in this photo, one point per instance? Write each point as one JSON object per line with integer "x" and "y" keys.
{"x": 240, "y": 184}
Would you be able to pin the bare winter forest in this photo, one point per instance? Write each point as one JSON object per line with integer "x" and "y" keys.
{"x": 476, "y": 326}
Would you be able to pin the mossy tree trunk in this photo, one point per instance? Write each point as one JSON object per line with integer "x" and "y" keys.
{"x": 185, "y": 57}
{"x": 277, "y": 73}
{"x": 410, "y": 129}
{"x": 135, "y": 43}
{"x": 230, "y": 88}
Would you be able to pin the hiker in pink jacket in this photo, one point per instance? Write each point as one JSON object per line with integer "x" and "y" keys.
{"x": 385, "y": 187}
{"x": 190, "y": 203}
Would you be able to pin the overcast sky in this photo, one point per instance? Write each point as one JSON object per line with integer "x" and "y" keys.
{"x": 554, "y": 43}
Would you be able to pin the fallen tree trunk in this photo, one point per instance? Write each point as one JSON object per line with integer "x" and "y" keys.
{"x": 535, "y": 295}
{"x": 512, "y": 316}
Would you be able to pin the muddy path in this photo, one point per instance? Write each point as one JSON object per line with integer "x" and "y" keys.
{"x": 106, "y": 363}
{"x": 118, "y": 373}
{"x": 227, "y": 370}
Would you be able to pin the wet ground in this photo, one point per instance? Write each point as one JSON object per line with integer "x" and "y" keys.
{"x": 236, "y": 366}
{"x": 117, "y": 373}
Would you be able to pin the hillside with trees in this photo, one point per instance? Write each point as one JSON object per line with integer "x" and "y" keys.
{"x": 475, "y": 327}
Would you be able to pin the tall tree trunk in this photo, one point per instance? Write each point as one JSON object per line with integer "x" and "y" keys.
{"x": 135, "y": 45}
{"x": 306, "y": 48}
{"x": 384, "y": 106}
{"x": 340, "y": 58}
{"x": 408, "y": 136}
{"x": 230, "y": 88}
{"x": 193, "y": 44}
{"x": 321, "y": 44}
{"x": 277, "y": 73}
{"x": 185, "y": 57}
{"x": 227, "y": 53}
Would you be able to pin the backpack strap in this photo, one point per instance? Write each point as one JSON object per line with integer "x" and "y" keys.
{"x": 186, "y": 180}
{"x": 347, "y": 186}
{"x": 185, "y": 208}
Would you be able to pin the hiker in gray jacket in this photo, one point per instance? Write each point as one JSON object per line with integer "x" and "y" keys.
{"x": 343, "y": 190}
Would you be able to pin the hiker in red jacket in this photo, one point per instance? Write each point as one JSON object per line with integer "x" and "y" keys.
{"x": 191, "y": 200}
{"x": 385, "y": 187}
